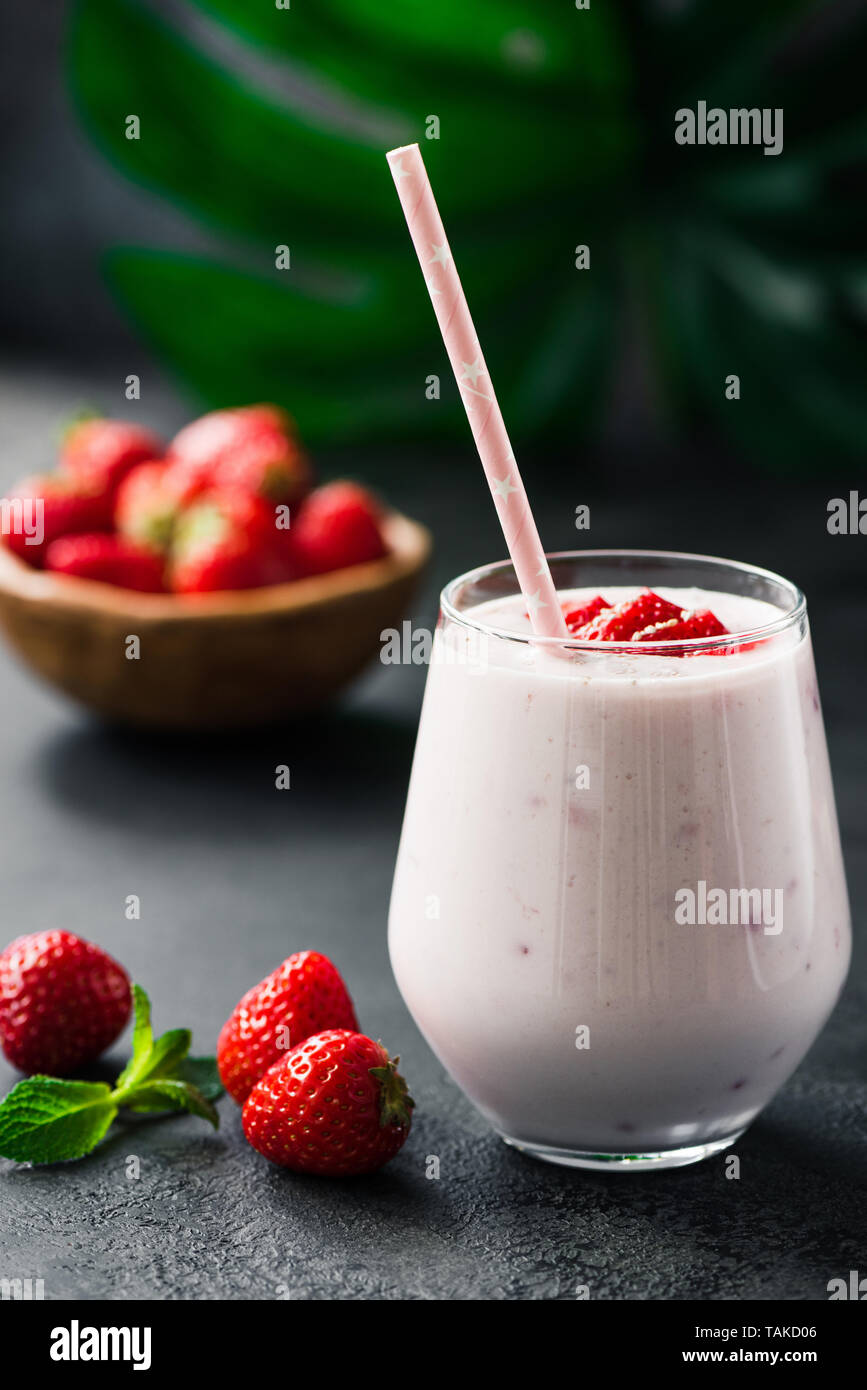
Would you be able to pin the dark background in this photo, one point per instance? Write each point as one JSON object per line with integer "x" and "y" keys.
{"x": 234, "y": 875}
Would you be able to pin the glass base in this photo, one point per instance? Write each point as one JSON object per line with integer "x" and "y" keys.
{"x": 622, "y": 1162}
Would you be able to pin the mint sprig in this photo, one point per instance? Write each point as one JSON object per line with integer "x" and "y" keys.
{"x": 44, "y": 1120}
{"x": 47, "y": 1120}
{"x": 202, "y": 1073}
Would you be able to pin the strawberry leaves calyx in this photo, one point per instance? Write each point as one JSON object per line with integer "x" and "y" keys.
{"x": 395, "y": 1101}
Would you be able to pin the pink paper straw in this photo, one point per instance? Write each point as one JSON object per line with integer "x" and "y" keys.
{"x": 477, "y": 390}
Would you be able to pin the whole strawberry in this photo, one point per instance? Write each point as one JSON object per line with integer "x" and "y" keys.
{"x": 148, "y": 503}
{"x": 227, "y": 539}
{"x": 107, "y": 559}
{"x": 98, "y": 453}
{"x": 335, "y": 1106}
{"x": 65, "y": 507}
{"x": 254, "y": 448}
{"x": 63, "y": 1001}
{"x": 338, "y": 525}
{"x": 304, "y": 995}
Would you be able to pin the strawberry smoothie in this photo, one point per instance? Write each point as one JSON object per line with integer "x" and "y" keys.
{"x": 619, "y": 914}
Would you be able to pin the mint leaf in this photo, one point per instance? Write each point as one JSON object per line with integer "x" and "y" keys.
{"x": 166, "y": 1055}
{"x": 202, "y": 1073}
{"x": 160, "y": 1077}
{"x": 44, "y": 1120}
{"x": 173, "y": 1095}
{"x": 149, "y": 1058}
{"x": 142, "y": 1038}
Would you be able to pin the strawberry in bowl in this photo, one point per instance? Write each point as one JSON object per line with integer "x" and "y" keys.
{"x": 228, "y": 505}
{"x": 339, "y": 525}
{"x": 227, "y": 539}
{"x": 203, "y": 584}
{"x": 47, "y": 506}
{"x": 107, "y": 559}
{"x": 254, "y": 448}
{"x": 98, "y": 453}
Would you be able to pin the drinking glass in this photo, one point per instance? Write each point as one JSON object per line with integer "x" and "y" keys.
{"x": 619, "y": 913}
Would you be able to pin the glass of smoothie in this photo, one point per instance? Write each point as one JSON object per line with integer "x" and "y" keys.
{"x": 619, "y": 913}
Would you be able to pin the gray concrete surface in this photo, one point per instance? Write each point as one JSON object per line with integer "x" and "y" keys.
{"x": 234, "y": 875}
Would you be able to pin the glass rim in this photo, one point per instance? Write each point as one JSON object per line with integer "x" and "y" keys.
{"x": 788, "y": 617}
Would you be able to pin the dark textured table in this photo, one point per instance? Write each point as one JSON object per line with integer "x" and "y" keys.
{"x": 233, "y": 875}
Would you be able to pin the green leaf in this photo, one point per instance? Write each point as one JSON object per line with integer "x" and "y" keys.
{"x": 142, "y": 1037}
{"x": 265, "y": 324}
{"x": 202, "y": 1073}
{"x": 44, "y": 1120}
{"x": 353, "y": 304}
{"x": 242, "y": 159}
{"x": 580, "y": 47}
{"x": 167, "y": 1053}
{"x": 798, "y": 376}
{"x": 150, "y": 1059}
{"x": 556, "y": 128}
{"x": 160, "y": 1076}
{"x": 173, "y": 1095}
{"x": 500, "y": 42}
{"x": 215, "y": 145}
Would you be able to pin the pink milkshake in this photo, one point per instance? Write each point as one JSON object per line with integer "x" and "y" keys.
{"x": 619, "y": 914}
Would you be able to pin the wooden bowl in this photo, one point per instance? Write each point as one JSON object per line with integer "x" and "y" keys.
{"x": 212, "y": 661}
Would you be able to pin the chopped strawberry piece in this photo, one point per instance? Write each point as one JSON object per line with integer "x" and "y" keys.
{"x": 698, "y": 622}
{"x": 577, "y": 617}
{"x": 647, "y": 618}
{"x": 620, "y": 624}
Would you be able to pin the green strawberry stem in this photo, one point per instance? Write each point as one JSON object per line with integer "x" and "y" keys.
{"x": 395, "y": 1101}
{"x": 78, "y": 417}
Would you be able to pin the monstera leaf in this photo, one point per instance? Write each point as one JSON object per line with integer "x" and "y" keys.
{"x": 268, "y": 126}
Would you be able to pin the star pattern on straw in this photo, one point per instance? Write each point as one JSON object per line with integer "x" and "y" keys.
{"x": 473, "y": 392}
{"x": 543, "y": 567}
{"x": 399, "y": 172}
{"x": 472, "y": 371}
{"x": 534, "y": 602}
{"x": 429, "y": 281}
{"x": 440, "y": 255}
{"x": 503, "y": 487}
